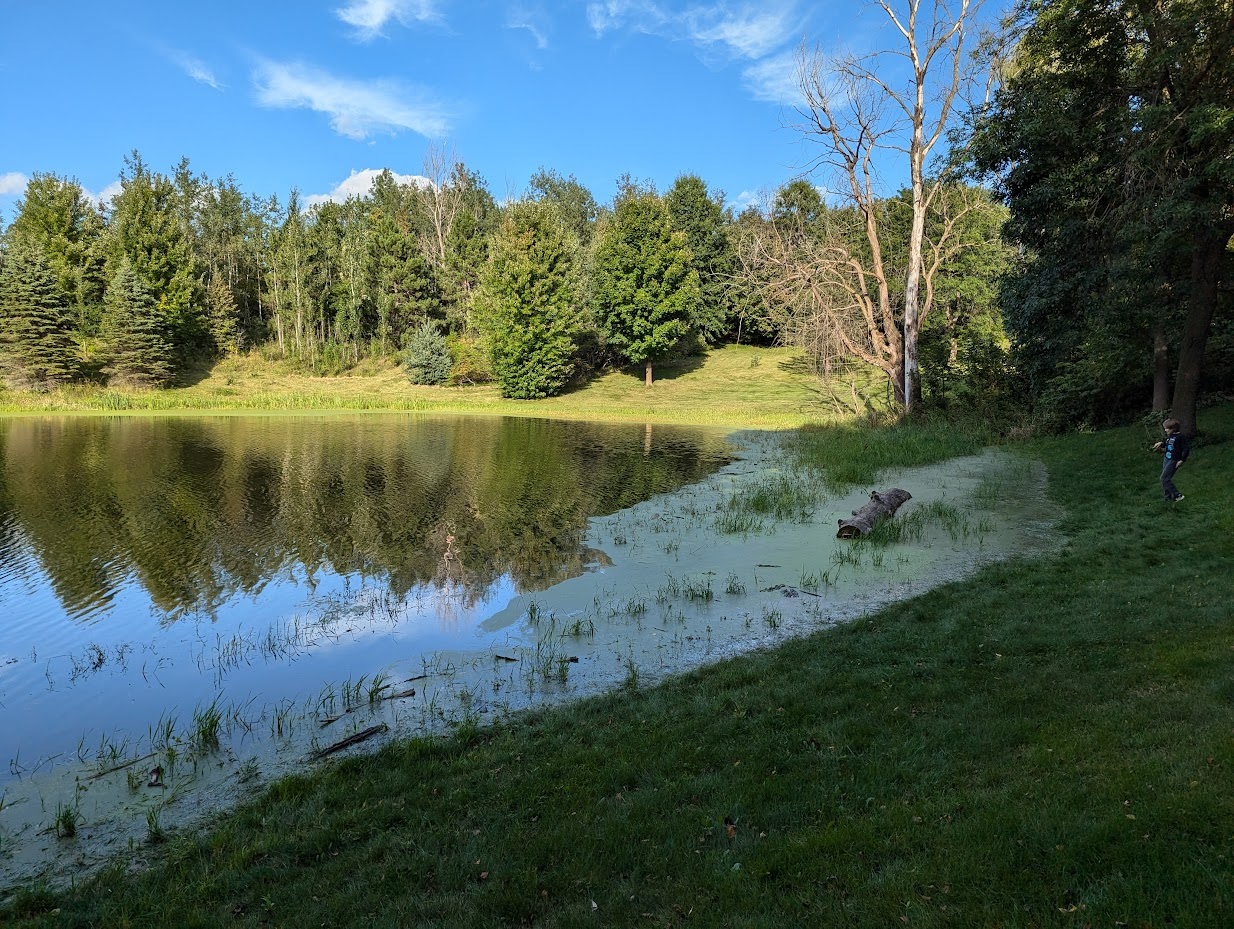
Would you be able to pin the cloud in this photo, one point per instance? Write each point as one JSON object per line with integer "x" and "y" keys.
{"x": 749, "y": 33}
{"x": 531, "y": 20}
{"x": 369, "y": 17}
{"x": 745, "y": 31}
{"x": 13, "y": 183}
{"x": 357, "y": 109}
{"x": 196, "y": 69}
{"x": 359, "y": 183}
{"x": 774, "y": 79}
{"x": 104, "y": 196}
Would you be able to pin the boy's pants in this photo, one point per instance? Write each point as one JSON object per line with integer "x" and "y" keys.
{"x": 1167, "y": 479}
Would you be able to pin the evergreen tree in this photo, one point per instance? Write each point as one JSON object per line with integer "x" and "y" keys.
{"x": 56, "y": 217}
{"x": 427, "y": 356}
{"x": 646, "y": 291}
{"x": 527, "y": 301}
{"x": 702, "y": 218}
{"x": 135, "y": 332}
{"x": 152, "y": 228}
{"x": 36, "y": 345}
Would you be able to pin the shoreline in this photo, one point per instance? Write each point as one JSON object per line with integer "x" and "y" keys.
{"x": 661, "y": 608}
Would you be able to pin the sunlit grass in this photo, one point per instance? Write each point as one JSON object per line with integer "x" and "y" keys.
{"x": 1045, "y": 744}
{"x": 732, "y": 386}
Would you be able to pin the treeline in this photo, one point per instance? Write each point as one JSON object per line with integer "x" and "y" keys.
{"x": 536, "y": 293}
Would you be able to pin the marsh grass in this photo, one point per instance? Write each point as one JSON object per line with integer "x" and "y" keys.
{"x": 1046, "y": 744}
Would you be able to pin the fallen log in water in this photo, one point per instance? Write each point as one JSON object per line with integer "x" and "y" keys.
{"x": 351, "y": 740}
{"x": 881, "y": 506}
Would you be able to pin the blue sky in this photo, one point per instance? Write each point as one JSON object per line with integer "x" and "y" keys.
{"x": 313, "y": 94}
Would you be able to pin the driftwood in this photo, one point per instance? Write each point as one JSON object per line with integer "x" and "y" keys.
{"x": 351, "y": 740}
{"x": 881, "y": 506}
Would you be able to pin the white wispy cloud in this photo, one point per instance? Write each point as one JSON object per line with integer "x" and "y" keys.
{"x": 369, "y": 17}
{"x": 359, "y": 183}
{"x": 197, "y": 69}
{"x": 357, "y": 109}
{"x": 774, "y": 79}
{"x": 13, "y": 183}
{"x": 745, "y": 30}
{"x": 750, "y": 32}
{"x": 533, "y": 20}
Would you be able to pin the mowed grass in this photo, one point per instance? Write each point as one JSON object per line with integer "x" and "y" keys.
{"x": 1050, "y": 743}
{"x": 736, "y": 386}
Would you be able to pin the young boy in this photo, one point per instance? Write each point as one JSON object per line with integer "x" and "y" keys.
{"x": 1176, "y": 448}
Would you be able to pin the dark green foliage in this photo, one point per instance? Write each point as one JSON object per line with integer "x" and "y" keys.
{"x": 426, "y": 356}
{"x": 405, "y": 284}
{"x": 223, "y": 318}
{"x": 56, "y": 217}
{"x": 135, "y": 333}
{"x": 704, "y": 221}
{"x": 573, "y": 200}
{"x": 645, "y": 288}
{"x": 151, "y": 229}
{"x": 527, "y": 305}
{"x": 36, "y": 344}
{"x": 1111, "y": 141}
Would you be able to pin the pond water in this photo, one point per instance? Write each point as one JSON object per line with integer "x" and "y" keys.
{"x": 151, "y": 566}
{"x": 215, "y": 600}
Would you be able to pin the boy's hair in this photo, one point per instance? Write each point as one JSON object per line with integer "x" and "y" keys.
{"x": 1172, "y": 425}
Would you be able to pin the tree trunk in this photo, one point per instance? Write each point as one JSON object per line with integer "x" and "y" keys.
{"x": 1161, "y": 370}
{"x": 881, "y": 506}
{"x": 1207, "y": 263}
{"x": 649, "y": 374}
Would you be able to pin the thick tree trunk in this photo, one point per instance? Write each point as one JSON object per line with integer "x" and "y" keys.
{"x": 649, "y": 374}
{"x": 1207, "y": 264}
{"x": 1161, "y": 371}
{"x": 881, "y": 506}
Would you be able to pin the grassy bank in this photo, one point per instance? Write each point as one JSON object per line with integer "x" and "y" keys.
{"x": 1046, "y": 744}
{"x": 732, "y": 386}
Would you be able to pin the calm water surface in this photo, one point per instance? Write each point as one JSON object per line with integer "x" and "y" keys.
{"x": 151, "y": 566}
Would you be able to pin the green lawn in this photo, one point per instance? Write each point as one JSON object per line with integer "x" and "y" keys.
{"x": 1049, "y": 743}
{"x": 735, "y": 386}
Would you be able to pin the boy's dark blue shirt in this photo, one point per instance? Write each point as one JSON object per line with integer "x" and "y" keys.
{"x": 1177, "y": 447}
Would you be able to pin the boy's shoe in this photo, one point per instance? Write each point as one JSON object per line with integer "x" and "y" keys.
{"x": 1179, "y": 497}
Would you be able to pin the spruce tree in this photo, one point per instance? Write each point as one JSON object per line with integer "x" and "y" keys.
{"x": 36, "y": 344}
{"x": 135, "y": 331}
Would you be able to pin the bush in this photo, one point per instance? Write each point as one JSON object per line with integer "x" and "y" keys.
{"x": 426, "y": 355}
{"x": 470, "y": 361}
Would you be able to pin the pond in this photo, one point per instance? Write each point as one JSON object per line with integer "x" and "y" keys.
{"x": 193, "y": 605}
{"x": 156, "y": 563}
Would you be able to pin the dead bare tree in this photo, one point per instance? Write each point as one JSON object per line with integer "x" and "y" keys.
{"x": 899, "y": 99}
{"x": 443, "y": 198}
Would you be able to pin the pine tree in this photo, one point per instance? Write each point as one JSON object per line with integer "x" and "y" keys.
{"x": 136, "y": 333}
{"x": 36, "y": 345}
{"x": 646, "y": 291}
{"x": 527, "y": 301}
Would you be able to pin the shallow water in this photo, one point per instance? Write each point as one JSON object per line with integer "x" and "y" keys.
{"x": 156, "y": 565}
{"x": 654, "y": 587}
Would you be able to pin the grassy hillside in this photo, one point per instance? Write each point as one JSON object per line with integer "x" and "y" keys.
{"x": 732, "y": 386}
{"x": 1046, "y": 744}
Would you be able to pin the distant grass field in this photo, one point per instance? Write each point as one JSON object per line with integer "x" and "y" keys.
{"x": 736, "y": 386}
{"x": 1049, "y": 743}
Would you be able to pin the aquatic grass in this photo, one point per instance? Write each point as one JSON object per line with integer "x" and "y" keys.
{"x": 733, "y": 586}
{"x": 855, "y": 453}
{"x": 206, "y": 724}
{"x": 1045, "y": 744}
